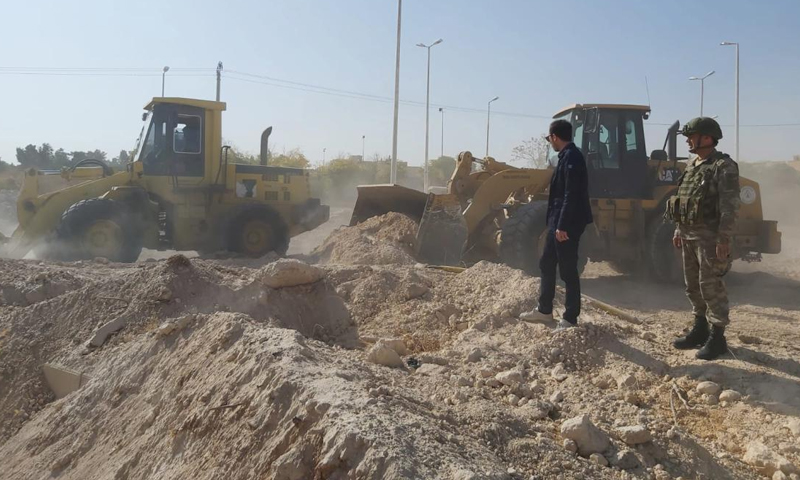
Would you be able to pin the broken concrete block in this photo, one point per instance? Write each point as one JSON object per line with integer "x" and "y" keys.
{"x": 589, "y": 438}
{"x": 288, "y": 272}
{"x": 63, "y": 381}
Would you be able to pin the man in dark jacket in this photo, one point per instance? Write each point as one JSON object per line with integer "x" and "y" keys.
{"x": 568, "y": 213}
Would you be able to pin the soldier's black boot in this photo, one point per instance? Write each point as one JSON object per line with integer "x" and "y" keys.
{"x": 715, "y": 346}
{"x": 696, "y": 337}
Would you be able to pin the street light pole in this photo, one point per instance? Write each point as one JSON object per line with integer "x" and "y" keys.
{"x": 163, "y": 79}
{"x": 441, "y": 110}
{"x": 427, "y": 113}
{"x": 736, "y": 88}
{"x": 702, "y": 87}
{"x": 488, "y": 117}
{"x": 323, "y": 156}
{"x": 219, "y": 78}
{"x": 363, "y": 140}
{"x": 393, "y": 167}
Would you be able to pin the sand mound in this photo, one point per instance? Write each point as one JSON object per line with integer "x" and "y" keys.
{"x": 384, "y": 240}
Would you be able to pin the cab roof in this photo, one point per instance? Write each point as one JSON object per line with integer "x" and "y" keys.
{"x": 612, "y": 106}
{"x": 191, "y": 102}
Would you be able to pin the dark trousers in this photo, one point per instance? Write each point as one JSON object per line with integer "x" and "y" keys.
{"x": 564, "y": 257}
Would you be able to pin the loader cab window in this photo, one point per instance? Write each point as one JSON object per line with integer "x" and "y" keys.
{"x": 616, "y": 159}
{"x": 187, "y": 134}
{"x": 174, "y": 142}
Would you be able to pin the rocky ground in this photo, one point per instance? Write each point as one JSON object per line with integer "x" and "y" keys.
{"x": 352, "y": 361}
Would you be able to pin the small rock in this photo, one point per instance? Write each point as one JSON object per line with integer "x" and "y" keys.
{"x": 793, "y": 424}
{"x": 570, "y": 445}
{"x": 765, "y": 460}
{"x": 557, "y": 396}
{"x": 779, "y": 476}
{"x": 603, "y": 381}
{"x": 463, "y": 382}
{"x": 288, "y": 272}
{"x": 486, "y": 372}
{"x": 626, "y": 381}
{"x": 539, "y": 410}
{"x": 730, "y": 396}
{"x": 631, "y": 397}
{"x": 559, "y": 373}
{"x": 509, "y": 377}
{"x": 396, "y": 344}
{"x": 598, "y": 459}
{"x": 101, "y": 260}
{"x": 625, "y": 460}
{"x": 749, "y": 339}
{"x": 523, "y": 401}
{"x": 512, "y": 400}
{"x": 493, "y": 383}
{"x": 648, "y": 336}
{"x": 708, "y": 388}
{"x": 635, "y": 435}
{"x": 383, "y": 355}
{"x": 416, "y": 290}
{"x": 709, "y": 399}
{"x": 589, "y": 438}
{"x": 474, "y": 355}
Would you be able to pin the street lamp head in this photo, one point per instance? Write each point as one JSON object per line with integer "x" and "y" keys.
{"x": 709, "y": 74}
{"x": 495, "y": 98}
{"x": 693, "y": 78}
{"x": 422, "y": 45}
{"x": 441, "y": 109}
{"x": 437, "y": 42}
{"x": 166, "y": 69}
{"x": 728, "y": 43}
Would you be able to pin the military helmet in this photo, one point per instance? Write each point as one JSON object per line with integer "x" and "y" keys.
{"x": 703, "y": 126}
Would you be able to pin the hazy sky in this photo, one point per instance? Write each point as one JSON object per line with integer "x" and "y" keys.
{"x": 537, "y": 56}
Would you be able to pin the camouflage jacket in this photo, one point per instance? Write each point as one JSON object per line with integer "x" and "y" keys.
{"x": 717, "y": 180}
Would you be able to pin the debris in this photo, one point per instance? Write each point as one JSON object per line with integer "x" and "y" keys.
{"x": 382, "y": 354}
{"x": 765, "y": 460}
{"x": 589, "y": 438}
{"x": 598, "y": 459}
{"x": 730, "y": 396}
{"x": 625, "y": 460}
{"x": 509, "y": 377}
{"x": 793, "y": 425}
{"x": 570, "y": 445}
{"x": 559, "y": 373}
{"x": 474, "y": 355}
{"x": 708, "y": 388}
{"x": 634, "y": 435}
{"x": 557, "y": 396}
{"x": 626, "y": 381}
{"x": 288, "y": 272}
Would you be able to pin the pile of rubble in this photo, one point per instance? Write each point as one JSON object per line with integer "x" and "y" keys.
{"x": 200, "y": 368}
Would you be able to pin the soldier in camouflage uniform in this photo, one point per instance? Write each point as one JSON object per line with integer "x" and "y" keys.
{"x": 704, "y": 211}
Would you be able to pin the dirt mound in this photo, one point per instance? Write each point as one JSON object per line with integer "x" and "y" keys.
{"x": 384, "y": 240}
{"x": 373, "y": 371}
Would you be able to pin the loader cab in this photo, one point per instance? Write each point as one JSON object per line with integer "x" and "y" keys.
{"x": 176, "y": 137}
{"x": 611, "y": 138}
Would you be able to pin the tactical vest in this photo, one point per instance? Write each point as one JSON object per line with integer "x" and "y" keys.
{"x": 693, "y": 205}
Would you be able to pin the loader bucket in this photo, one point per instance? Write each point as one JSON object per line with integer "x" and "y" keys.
{"x": 442, "y": 232}
{"x": 375, "y": 200}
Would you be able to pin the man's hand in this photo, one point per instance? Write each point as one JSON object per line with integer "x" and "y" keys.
{"x": 676, "y": 240}
{"x": 561, "y": 236}
{"x": 723, "y": 251}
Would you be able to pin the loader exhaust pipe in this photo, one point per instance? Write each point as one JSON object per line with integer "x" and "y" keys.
{"x": 265, "y": 145}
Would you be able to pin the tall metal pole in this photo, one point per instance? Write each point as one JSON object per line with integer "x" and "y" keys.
{"x": 488, "y": 117}
{"x": 393, "y": 169}
{"x": 702, "y": 87}
{"x": 363, "y": 140}
{"x": 425, "y": 182}
{"x": 163, "y": 79}
{"x": 219, "y": 78}
{"x": 736, "y": 93}
{"x": 441, "y": 110}
{"x": 323, "y": 155}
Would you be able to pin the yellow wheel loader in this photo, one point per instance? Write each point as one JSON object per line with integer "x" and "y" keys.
{"x": 179, "y": 192}
{"x": 494, "y": 211}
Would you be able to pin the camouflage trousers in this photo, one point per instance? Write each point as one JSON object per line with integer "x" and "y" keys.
{"x": 703, "y": 273}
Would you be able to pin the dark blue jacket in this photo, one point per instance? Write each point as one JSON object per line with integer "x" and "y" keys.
{"x": 568, "y": 208}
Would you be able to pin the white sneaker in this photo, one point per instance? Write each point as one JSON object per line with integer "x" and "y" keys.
{"x": 536, "y": 316}
{"x": 564, "y": 325}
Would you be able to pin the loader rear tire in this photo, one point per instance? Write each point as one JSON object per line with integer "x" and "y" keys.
{"x": 256, "y": 230}
{"x": 97, "y": 227}
{"x": 664, "y": 260}
{"x": 522, "y": 239}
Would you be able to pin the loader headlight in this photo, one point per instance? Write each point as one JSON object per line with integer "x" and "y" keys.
{"x": 747, "y": 195}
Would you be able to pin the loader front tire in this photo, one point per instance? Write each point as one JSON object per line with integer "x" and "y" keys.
{"x": 256, "y": 230}
{"x": 97, "y": 227}
{"x": 522, "y": 239}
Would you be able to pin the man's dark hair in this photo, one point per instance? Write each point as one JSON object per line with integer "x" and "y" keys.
{"x": 561, "y": 129}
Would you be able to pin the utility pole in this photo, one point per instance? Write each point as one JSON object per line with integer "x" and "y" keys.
{"x": 488, "y": 117}
{"x": 163, "y": 79}
{"x": 393, "y": 168}
{"x": 219, "y": 78}
{"x": 441, "y": 110}
{"x": 736, "y": 88}
{"x": 702, "y": 87}
{"x": 427, "y": 113}
{"x": 363, "y": 140}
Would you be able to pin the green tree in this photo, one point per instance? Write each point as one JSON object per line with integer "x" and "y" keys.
{"x": 293, "y": 158}
{"x": 531, "y": 153}
{"x": 440, "y": 170}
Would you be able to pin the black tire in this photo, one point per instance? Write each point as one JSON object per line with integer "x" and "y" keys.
{"x": 521, "y": 236}
{"x": 97, "y": 227}
{"x": 663, "y": 259}
{"x": 256, "y": 230}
